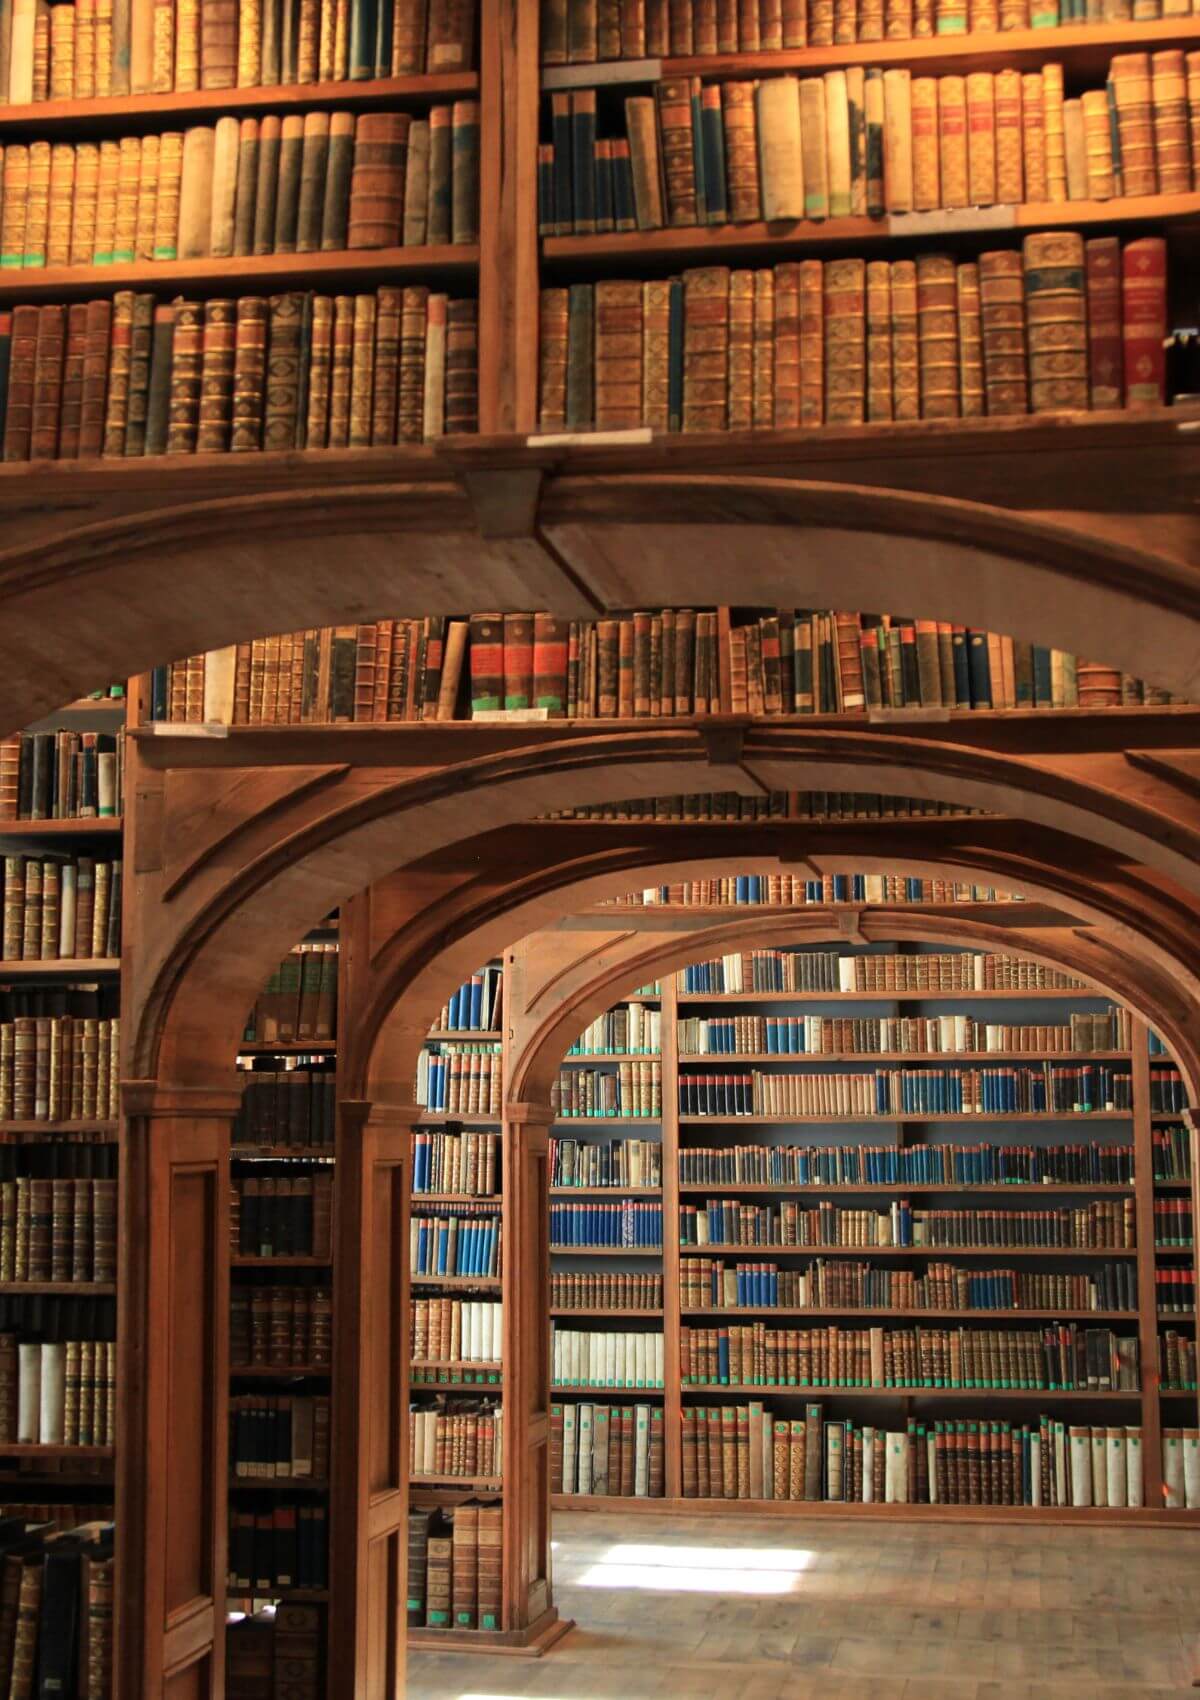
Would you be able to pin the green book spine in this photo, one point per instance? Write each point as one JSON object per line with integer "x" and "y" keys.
{"x": 247, "y": 187}
{"x": 287, "y": 204}
{"x": 269, "y": 136}
{"x": 363, "y": 38}
{"x": 335, "y": 212}
{"x": 438, "y": 222}
{"x": 464, "y": 171}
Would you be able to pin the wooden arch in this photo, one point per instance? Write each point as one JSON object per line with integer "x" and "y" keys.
{"x": 1091, "y": 548}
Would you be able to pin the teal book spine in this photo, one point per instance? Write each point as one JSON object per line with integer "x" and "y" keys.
{"x": 675, "y": 357}
{"x": 363, "y": 38}
{"x": 698, "y": 153}
{"x": 712, "y": 136}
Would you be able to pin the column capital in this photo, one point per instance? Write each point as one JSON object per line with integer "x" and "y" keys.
{"x": 163, "y": 1098}
{"x": 528, "y": 1115}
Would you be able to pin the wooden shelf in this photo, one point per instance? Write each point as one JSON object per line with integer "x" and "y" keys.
{"x": 996, "y": 1189}
{"x": 51, "y": 1129}
{"x": 439, "y": 1118}
{"x": 51, "y": 117}
{"x": 632, "y": 1394}
{"x": 281, "y": 1262}
{"x": 605, "y": 1191}
{"x": 1158, "y": 1118}
{"x": 343, "y": 270}
{"x": 59, "y": 1289}
{"x": 1078, "y": 994}
{"x": 63, "y": 967}
{"x": 292, "y": 1596}
{"x": 1172, "y": 1186}
{"x": 707, "y": 244}
{"x": 1176, "y": 1316}
{"x": 476, "y": 1366}
{"x": 1081, "y": 47}
{"x": 278, "y": 1372}
{"x": 493, "y": 1198}
{"x": 285, "y": 1048}
{"x": 108, "y": 826}
{"x": 606, "y": 1251}
{"x": 465, "y": 1484}
{"x": 279, "y": 1484}
{"x": 17, "y": 1450}
{"x": 608, "y": 1121}
{"x": 492, "y": 1284}
{"x": 590, "y": 1310}
{"x": 884, "y": 1313}
{"x": 762, "y": 1253}
{"x": 943, "y": 1058}
{"x": 267, "y": 1153}
{"x": 465, "y": 1035}
{"x": 909, "y": 1119}
{"x": 805, "y": 1390}
{"x": 1178, "y": 1392}
{"x": 1157, "y": 1517}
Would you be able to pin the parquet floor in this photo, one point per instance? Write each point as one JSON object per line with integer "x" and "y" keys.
{"x": 746, "y": 1608}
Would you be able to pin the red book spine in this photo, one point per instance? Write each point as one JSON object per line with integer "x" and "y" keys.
{"x": 1104, "y": 320}
{"x": 518, "y": 660}
{"x": 1144, "y": 321}
{"x": 487, "y": 662}
{"x": 550, "y": 636}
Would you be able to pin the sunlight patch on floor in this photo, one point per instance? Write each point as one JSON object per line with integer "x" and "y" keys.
{"x": 716, "y": 1569}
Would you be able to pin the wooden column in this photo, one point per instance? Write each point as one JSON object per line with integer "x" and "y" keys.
{"x": 526, "y": 1291}
{"x": 1191, "y": 1120}
{"x": 172, "y": 1444}
{"x": 369, "y": 1463}
{"x": 1143, "y": 1176}
{"x": 671, "y": 1320}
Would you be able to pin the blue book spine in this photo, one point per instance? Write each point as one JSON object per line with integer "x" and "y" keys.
{"x": 475, "y": 1006}
{"x": 712, "y": 129}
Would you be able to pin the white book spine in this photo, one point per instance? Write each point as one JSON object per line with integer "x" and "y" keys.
{"x": 1133, "y": 1467}
{"x": 29, "y": 1394}
{"x": 1191, "y": 1468}
{"x": 1173, "y": 1477}
{"x": 53, "y": 1394}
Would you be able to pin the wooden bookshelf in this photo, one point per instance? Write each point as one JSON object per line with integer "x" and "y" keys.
{"x": 765, "y": 1253}
{"x": 91, "y": 826}
{"x": 63, "y": 967}
{"x": 1016, "y": 1190}
{"x": 52, "y": 1129}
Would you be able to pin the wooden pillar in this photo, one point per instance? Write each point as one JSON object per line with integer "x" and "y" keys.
{"x": 671, "y": 1319}
{"x": 369, "y": 1464}
{"x": 526, "y": 1292}
{"x": 172, "y": 1411}
{"x": 1143, "y": 1175}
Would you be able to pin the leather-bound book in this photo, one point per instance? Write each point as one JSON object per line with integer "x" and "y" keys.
{"x": 1102, "y": 258}
{"x": 490, "y": 1544}
{"x": 739, "y": 117}
{"x": 249, "y": 41}
{"x": 140, "y": 351}
{"x": 873, "y": 142}
{"x": 814, "y": 147}
{"x": 1169, "y": 97}
{"x": 845, "y": 284}
{"x": 705, "y": 348}
{"x": 1010, "y": 188}
{"x": 439, "y": 205}
{"x": 656, "y": 354}
{"x": 435, "y": 367}
{"x": 338, "y": 172}
{"x": 95, "y": 378}
{"x": 812, "y": 343}
{"x": 1054, "y": 132}
{"x": 777, "y": 118}
{"x": 897, "y": 141}
{"x": 247, "y": 184}
{"x": 464, "y": 171}
{"x": 971, "y": 388}
{"x": 462, "y": 367}
{"x": 377, "y": 180}
{"x": 62, "y": 186}
{"x": 787, "y": 346}
{"x": 648, "y": 194}
{"x": 320, "y": 364}
{"x": 618, "y": 355}
{"x": 416, "y": 184}
{"x": 451, "y": 41}
{"x": 981, "y": 139}
{"x": 314, "y": 156}
{"x": 741, "y": 350}
{"x": 216, "y": 377}
{"x": 937, "y": 336}
{"x": 1033, "y": 137}
{"x": 878, "y": 342}
{"x": 1099, "y": 181}
{"x": 362, "y": 369}
{"x": 906, "y": 380}
{"x": 762, "y": 382}
{"x": 270, "y": 56}
{"x": 1074, "y": 151}
{"x": 408, "y": 37}
{"x": 72, "y": 390}
{"x": 1132, "y": 86}
{"x": 120, "y": 358}
{"x": 83, "y": 201}
{"x": 1144, "y": 320}
{"x": 187, "y": 358}
{"x": 249, "y": 374}
{"x": 187, "y": 45}
{"x": 16, "y": 198}
{"x": 47, "y": 382}
{"x": 552, "y": 360}
{"x": 410, "y": 404}
{"x": 167, "y": 200}
{"x": 287, "y": 199}
{"x": 674, "y": 98}
{"x": 283, "y": 367}
{"x": 266, "y": 191}
{"x": 37, "y": 210}
{"x": 925, "y": 144}
{"x": 582, "y": 103}
{"x": 581, "y": 374}
{"x": 149, "y": 165}
{"x": 388, "y": 306}
{"x": 218, "y": 44}
{"x": 633, "y": 29}
{"x": 195, "y": 193}
{"x": 550, "y": 664}
{"x": 1056, "y": 318}
{"x": 308, "y": 42}
{"x": 224, "y": 188}
{"x": 162, "y": 337}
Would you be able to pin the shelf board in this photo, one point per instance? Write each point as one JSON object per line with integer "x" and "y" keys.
{"x": 1178, "y": 1393}
{"x": 51, "y": 117}
{"x": 340, "y": 270}
{"x": 17, "y": 1450}
{"x": 59, "y": 1289}
{"x": 493, "y": 1198}
{"x": 52, "y": 1128}
{"x": 279, "y": 1484}
{"x": 1083, "y": 47}
{"x": 465, "y": 1035}
{"x": 1172, "y": 1186}
{"x": 708, "y": 243}
{"x": 909, "y": 1119}
{"x": 954, "y": 1058}
{"x": 457, "y": 1281}
{"x": 465, "y": 1484}
{"x": 58, "y": 1478}
{"x": 440, "y": 1118}
{"x": 933, "y": 1316}
{"x": 1157, "y": 1517}
{"x": 606, "y": 1251}
{"x": 631, "y": 1394}
{"x": 597, "y": 1310}
{"x": 1160, "y": 1117}
{"x": 278, "y": 1372}
{"x": 764, "y": 1252}
{"x": 610, "y": 1057}
{"x": 281, "y": 1262}
{"x": 92, "y": 826}
{"x": 605, "y": 1191}
{"x": 608, "y": 1121}
{"x": 960, "y": 994}
{"x": 1176, "y": 1315}
{"x": 805, "y": 1390}
{"x": 999, "y": 1189}
{"x": 476, "y": 1366}
{"x": 284, "y": 1048}
{"x": 63, "y": 967}
{"x": 266, "y": 1153}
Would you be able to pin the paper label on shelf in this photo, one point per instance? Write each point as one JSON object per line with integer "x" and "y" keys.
{"x": 946, "y": 220}
{"x": 614, "y": 71}
{"x": 187, "y": 728}
{"x": 565, "y": 439}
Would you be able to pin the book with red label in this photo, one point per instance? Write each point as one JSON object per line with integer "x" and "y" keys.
{"x": 1144, "y": 321}
{"x": 1105, "y": 357}
{"x": 549, "y": 663}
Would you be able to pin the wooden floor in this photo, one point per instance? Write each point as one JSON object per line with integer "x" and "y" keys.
{"x": 748, "y": 1608}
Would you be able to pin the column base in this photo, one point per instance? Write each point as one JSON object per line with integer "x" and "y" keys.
{"x": 528, "y": 1643}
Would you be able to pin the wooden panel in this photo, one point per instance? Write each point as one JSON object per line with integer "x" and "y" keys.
{"x": 527, "y": 1566}
{"x": 1143, "y": 1171}
{"x": 189, "y": 1553}
{"x": 194, "y": 1683}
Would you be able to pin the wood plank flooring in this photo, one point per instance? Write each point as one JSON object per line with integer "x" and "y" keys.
{"x": 750, "y": 1608}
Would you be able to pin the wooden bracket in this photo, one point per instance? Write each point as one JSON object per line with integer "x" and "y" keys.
{"x": 724, "y": 740}
{"x": 504, "y": 500}
{"x": 849, "y": 923}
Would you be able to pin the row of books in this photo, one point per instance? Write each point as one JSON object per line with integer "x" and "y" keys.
{"x": 1177, "y": 1361}
{"x": 633, "y": 1089}
{"x": 283, "y": 1214}
{"x": 1063, "y": 1356}
{"x": 299, "y": 1000}
{"x": 281, "y": 1546}
{"x": 863, "y": 142}
{"x": 604, "y": 1290}
{"x": 467, "y": 1163}
{"x": 1056, "y": 325}
{"x": 841, "y": 1284}
{"x": 273, "y": 1435}
{"x": 457, "y": 1439}
{"x": 60, "y": 1514}
{"x": 1167, "y": 1091}
{"x": 605, "y": 1358}
{"x": 57, "y": 1393}
{"x": 766, "y": 970}
{"x": 62, "y": 775}
{"x": 305, "y": 183}
{"x": 477, "y": 1005}
{"x": 56, "y": 1606}
{"x": 132, "y": 376}
{"x": 274, "y": 1652}
{"x": 60, "y": 1067}
{"x": 607, "y": 1450}
{"x": 644, "y": 665}
{"x": 944, "y": 1092}
{"x": 745, "y": 1452}
{"x": 451, "y": 1331}
{"x": 771, "y": 805}
{"x": 706, "y": 1284}
{"x": 287, "y": 1107}
{"x": 1172, "y": 1149}
{"x": 578, "y": 32}
{"x": 121, "y": 47}
{"x": 607, "y": 1162}
{"x": 61, "y": 906}
{"x": 1174, "y": 1289}
{"x": 464, "y": 1242}
{"x": 278, "y": 1327}
{"x": 634, "y": 1223}
{"x": 730, "y": 1221}
{"x": 787, "y": 890}
{"x": 630, "y": 1030}
{"x": 467, "y": 1079}
{"x": 1173, "y": 1222}
{"x": 819, "y": 1035}
{"x": 455, "y": 1567}
{"x": 911, "y": 1165}
{"x": 58, "y": 1230}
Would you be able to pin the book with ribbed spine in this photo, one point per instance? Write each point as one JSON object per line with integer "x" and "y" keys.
{"x": 462, "y": 367}
{"x": 1144, "y": 320}
{"x": 1002, "y": 321}
{"x": 1057, "y": 321}
{"x": 739, "y": 114}
{"x": 952, "y": 140}
{"x": 287, "y": 191}
{"x": 377, "y": 180}
{"x": 440, "y": 198}
{"x": 763, "y": 378}
{"x": 1053, "y": 132}
{"x": 249, "y": 374}
{"x": 845, "y": 285}
{"x": 937, "y": 336}
{"x": 1033, "y": 138}
{"x": 1007, "y": 107}
{"x": 813, "y": 147}
{"x": 656, "y": 354}
{"x": 741, "y": 350}
{"x": 1169, "y": 99}
{"x": 812, "y": 342}
{"x": 362, "y": 365}
{"x": 216, "y": 377}
{"x": 981, "y": 139}
{"x": 706, "y": 348}
{"x": 878, "y": 341}
{"x": 926, "y": 144}
{"x": 971, "y": 387}
{"x": 678, "y": 150}
{"x": 140, "y": 355}
{"x": 552, "y": 360}
{"x": 47, "y": 382}
{"x": 72, "y": 389}
{"x": 786, "y": 351}
{"x": 120, "y": 359}
{"x": 1132, "y": 86}
{"x": 618, "y": 355}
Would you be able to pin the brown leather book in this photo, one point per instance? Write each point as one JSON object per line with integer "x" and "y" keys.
{"x": 216, "y": 377}
{"x": 140, "y": 350}
{"x": 741, "y": 152}
{"x": 339, "y": 371}
{"x": 906, "y": 383}
{"x": 377, "y": 180}
{"x": 1056, "y": 317}
{"x": 116, "y": 411}
{"x": 706, "y": 348}
{"x": 879, "y": 342}
{"x": 316, "y": 432}
{"x": 314, "y": 158}
{"x": 462, "y": 367}
{"x": 812, "y": 343}
{"x": 618, "y": 357}
{"x": 410, "y": 404}
{"x": 451, "y": 39}
{"x": 416, "y": 185}
{"x": 763, "y": 376}
{"x": 845, "y": 306}
{"x": 1169, "y": 98}
{"x": 1010, "y": 177}
{"x": 47, "y": 382}
{"x": 656, "y": 329}
{"x": 95, "y": 378}
{"x": 287, "y": 199}
{"x": 1002, "y": 323}
{"x": 408, "y": 37}
{"x": 552, "y": 358}
{"x": 937, "y": 336}
{"x": 187, "y": 357}
{"x": 674, "y": 96}
{"x": 971, "y": 387}
{"x": 218, "y": 44}
{"x": 741, "y": 350}
{"x": 386, "y": 365}
{"x": 249, "y": 374}
{"x": 72, "y": 390}
{"x": 648, "y": 192}
{"x": 787, "y": 345}
{"x": 981, "y": 139}
{"x": 362, "y": 370}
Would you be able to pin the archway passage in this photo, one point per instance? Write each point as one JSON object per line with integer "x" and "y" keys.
{"x": 1092, "y": 549}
